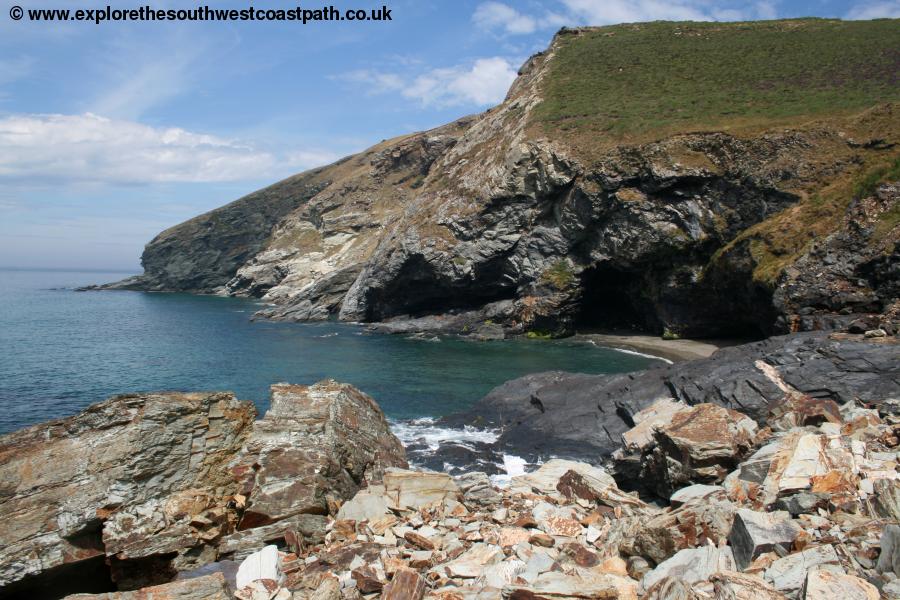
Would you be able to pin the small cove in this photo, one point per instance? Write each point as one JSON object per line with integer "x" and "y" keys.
{"x": 64, "y": 350}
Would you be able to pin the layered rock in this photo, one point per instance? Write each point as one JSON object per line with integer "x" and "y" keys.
{"x": 123, "y": 478}
{"x": 506, "y": 222}
{"x": 138, "y": 488}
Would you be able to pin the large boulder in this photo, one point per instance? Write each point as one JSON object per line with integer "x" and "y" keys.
{"x": 72, "y": 489}
{"x": 316, "y": 445}
{"x": 138, "y": 488}
{"x": 210, "y": 587}
{"x": 701, "y": 444}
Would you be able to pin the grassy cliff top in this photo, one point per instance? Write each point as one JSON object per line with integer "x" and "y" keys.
{"x": 638, "y": 82}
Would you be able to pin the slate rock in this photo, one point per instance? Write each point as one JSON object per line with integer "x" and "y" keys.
{"x": 754, "y": 533}
{"x": 692, "y": 565}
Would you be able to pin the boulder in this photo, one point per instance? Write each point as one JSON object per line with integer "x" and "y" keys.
{"x": 695, "y": 524}
{"x": 68, "y": 483}
{"x": 697, "y": 493}
{"x": 416, "y": 489}
{"x": 660, "y": 413}
{"x": 754, "y": 533}
{"x": 788, "y": 574}
{"x": 546, "y": 479}
{"x": 315, "y": 444}
{"x": 825, "y": 585}
{"x": 889, "y": 559}
{"x": 210, "y": 587}
{"x": 369, "y": 504}
{"x": 405, "y": 585}
{"x": 140, "y": 487}
{"x": 806, "y": 461}
{"x": 473, "y": 562}
{"x": 584, "y": 417}
{"x": 692, "y": 565}
{"x": 559, "y": 586}
{"x": 700, "y": 445}
{"x": 671, "y": 588}
{"x": 800, "y": 410}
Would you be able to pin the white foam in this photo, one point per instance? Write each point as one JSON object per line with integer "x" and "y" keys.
{"x": 328, "y": 335}
{"x": 636, "y": 353}
{"x": 423, "y": 430}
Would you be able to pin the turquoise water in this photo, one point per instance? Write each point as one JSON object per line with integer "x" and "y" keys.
{"x": 61, "y": 350}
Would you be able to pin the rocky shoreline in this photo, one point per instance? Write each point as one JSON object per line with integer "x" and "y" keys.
{"x": 766, "y": 471}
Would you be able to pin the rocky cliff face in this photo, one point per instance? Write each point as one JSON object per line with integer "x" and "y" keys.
{"x": 545, "y": 223}
{"x": 138, "y": 488}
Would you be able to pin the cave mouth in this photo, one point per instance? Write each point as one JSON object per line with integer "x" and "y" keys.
{"x": 611, "y": 301}
{"x": 90, "y": 576}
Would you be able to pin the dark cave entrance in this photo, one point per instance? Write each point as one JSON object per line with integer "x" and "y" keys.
{"x": 611, "y": 301}
{"x": 91, "y": 576}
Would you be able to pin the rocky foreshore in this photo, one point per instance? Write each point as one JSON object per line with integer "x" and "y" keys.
{"x": 185, "y": 495}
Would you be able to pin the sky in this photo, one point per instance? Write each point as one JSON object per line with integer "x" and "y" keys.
{"x": 111, "y": 133}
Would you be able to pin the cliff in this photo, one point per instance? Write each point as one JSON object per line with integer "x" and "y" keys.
{"x": 697, "y": 178}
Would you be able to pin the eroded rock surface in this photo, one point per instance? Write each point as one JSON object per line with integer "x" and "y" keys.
{"x": 497, "y": 224}
{"x": 140, "y": 487}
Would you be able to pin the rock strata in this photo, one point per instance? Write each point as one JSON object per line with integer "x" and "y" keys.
{"x": 140, "y": 487}
{"x": 506, "y": 222}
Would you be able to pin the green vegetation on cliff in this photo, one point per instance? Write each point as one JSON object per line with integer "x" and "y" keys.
{"x": 628, "y": 83}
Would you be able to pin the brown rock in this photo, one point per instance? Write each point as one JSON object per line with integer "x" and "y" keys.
{"x": 580, "y": 555}
{"x": 366, "y": 580}
{"x": 418, "y": 540}
{"x": 798, "y": 410}
{"x": 510, "y": 536}
{"x": 106, "y": 475}
{"x": 345, "y": 440}
{"x": 210, "y": 587}
{"x": 542, "y": 539}
{"x": 414, "y": 489}
{"x": 406, "y": 585}
{"x": 700, "y": 445}
{"x": 582, "y": 485}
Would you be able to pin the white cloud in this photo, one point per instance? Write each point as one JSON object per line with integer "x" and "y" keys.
{"x": 483, "y": 82}
{"x": 134, "y": 78}
{"x": 374, "y": 82}
{"x": 499, "y": 16}
{"x": 91, "y": 149}
{"x": 875, "y": 10}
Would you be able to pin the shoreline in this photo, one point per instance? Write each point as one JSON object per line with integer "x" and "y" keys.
{"x": 672, "y": 350}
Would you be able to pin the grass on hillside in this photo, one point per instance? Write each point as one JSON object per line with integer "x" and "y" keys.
{"x": 631, "y": 83}
{"x": 779, "y": 240}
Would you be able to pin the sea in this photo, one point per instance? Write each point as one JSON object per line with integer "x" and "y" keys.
{"x": 62, "y": 350}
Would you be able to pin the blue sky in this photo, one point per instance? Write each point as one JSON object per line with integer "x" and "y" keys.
{"x": 111, "y": 133}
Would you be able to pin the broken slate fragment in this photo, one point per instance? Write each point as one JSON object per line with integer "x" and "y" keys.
{"x": 754, "y": 533}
